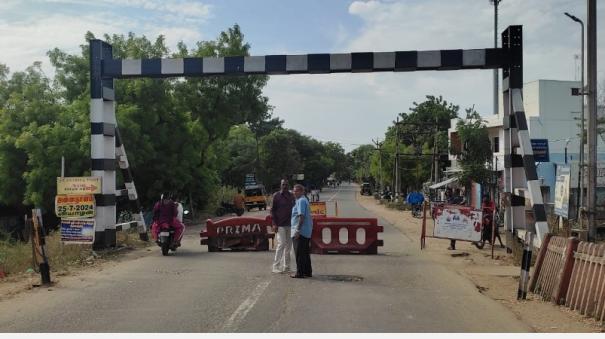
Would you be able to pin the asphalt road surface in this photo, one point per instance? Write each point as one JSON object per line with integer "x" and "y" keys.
{"x": 397, "y": 290}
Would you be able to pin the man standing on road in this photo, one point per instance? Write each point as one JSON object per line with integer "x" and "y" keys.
{"x": 281, "y": 213}
{"x": 302, "y": 227}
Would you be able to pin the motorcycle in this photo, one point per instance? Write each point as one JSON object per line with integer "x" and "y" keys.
{"x": 166, "y": 238}
{"x": 417, "y": 211}
{"x": 228, "y": 208}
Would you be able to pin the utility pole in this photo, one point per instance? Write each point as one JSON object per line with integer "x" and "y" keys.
{"x": 435, "y": 153}
{"x": 495, "y": 3}
{"x": 397, "y": 160}
{"x": 592, "y": 114}
{"x": 379, "y": 148}
{"x": 580, "y": 199}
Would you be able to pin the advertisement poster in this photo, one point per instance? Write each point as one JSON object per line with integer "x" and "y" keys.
{"x": 75, "y": 206}
{"x": 78, "y": 185}
{"x": 318, "y": 208}
{"x": 78, "y": 231}
{"x": 457, "y": 222}
{"x": 562, "y": 191}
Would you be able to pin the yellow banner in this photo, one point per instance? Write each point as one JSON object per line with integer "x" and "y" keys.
{"x": 318, "y": 208}
{"x": 79, "y": 185}
{"x": 75, "y": 206}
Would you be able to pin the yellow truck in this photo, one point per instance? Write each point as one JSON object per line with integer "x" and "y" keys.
{"x": 254, "y": 196}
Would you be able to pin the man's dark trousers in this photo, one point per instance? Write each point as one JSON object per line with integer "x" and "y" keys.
{"x": 303, "y": 257}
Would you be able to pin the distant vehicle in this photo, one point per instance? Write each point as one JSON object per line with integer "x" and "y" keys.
{"x": 366, "y": 189}
{"x": 255, "y": 197}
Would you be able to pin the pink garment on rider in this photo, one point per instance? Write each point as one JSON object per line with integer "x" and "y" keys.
{"x": 165, "y": 212}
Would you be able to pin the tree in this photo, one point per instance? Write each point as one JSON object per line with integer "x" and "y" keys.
{"x": 476, "y": 154}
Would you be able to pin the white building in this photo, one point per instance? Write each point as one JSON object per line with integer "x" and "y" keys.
{"x": 553, "y": 113}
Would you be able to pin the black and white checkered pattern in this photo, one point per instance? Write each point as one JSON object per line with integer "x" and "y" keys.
{"x": 307, "y": 63}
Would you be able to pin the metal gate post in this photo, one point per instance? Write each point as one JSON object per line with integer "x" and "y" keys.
{"x": 102, "y": 144}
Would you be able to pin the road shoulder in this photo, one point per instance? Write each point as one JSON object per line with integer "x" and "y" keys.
{"x": 496, "y": 278}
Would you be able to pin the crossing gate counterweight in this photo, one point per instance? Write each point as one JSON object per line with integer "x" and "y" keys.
{"x": 521, "y": 181}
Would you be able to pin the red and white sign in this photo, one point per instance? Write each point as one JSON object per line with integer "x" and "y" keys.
{"x": 457, "y": 222}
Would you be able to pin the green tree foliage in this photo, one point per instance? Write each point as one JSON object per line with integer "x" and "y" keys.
{"x": 476, "y": 154}
{"x": 423, "y": 130}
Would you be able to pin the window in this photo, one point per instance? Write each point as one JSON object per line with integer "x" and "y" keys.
{"x": 496, "y": 144}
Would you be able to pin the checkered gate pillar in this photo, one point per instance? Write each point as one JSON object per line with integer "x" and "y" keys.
{"x": 102, "y": 144}
{"x": 520, "y": 174}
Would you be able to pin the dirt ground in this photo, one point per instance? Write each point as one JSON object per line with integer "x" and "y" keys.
{"x": 497, "y": 278}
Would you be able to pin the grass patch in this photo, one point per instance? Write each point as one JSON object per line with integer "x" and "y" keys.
{"x": 16, "y": 257}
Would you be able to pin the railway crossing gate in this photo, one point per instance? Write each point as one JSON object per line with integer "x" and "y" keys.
{"x": 520, "y": 177}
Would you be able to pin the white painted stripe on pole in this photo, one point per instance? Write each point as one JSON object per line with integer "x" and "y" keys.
{"x": 109, "y": 112}
{"x": 429, "y": 59}
{"x": 296, "y": 63}
{"x": 96, "y": 110}
{"x": 132, "y": 190}
{"x": 109, "y": 148}
{"x": 142, "y": 228}
{"x": 525, "y": 142}
{"x": 245, "y": 307}
{"x": 108, "y": 184}
{"x": 340, "y": 61}
{"x": 214, "y": 65}
{"x": 120, "y": 151}
{"x": 173, "y": 66}
{"x": 131, "y": 66}
{"x": 473, "y": 57}
{"x": 384, "y": 60}
{"x": 254, "y": 64}
{"x": 541, "y": 231}
{"x": 97, "y": 150}
{"x": 517, "y": 100}
{"x": 534, "y": 191}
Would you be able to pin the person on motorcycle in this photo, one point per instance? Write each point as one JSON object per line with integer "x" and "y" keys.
{"x": 415, "y": 199}
{"x": 165, "y": 213}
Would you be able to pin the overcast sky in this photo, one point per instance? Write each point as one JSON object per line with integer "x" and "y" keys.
{"x": 347, "y": 108}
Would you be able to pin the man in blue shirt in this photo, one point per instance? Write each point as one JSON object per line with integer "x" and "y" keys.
{"x": 302, "y": 228}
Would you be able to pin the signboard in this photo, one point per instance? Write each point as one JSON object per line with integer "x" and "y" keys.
{"x": 78, "y": 231}
{"x": 575, "y": 173}
{"x": 457, "y": 222}
{"x": 540, "y": 149}
{"x": 562, "y": 191}
{"x": 75, "y": 206}
{"x": 318, "y": 208}
{"x": 78, "y": 185}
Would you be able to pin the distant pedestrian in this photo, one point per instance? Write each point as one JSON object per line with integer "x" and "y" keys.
{"x": 239, "y": 202}
{"x": 302, "y": 228}
{"x": 281, "y": 214}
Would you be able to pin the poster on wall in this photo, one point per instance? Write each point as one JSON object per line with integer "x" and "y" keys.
{"x": 457, "y": 222}
{"x": 318, "y": 208}
{"x": 562, "y": 191}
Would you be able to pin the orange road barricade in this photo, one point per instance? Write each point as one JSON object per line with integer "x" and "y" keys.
{"x": 332, "y": 235}
{"x": 239, "y": 233}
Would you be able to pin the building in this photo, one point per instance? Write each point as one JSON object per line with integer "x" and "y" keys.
{"x": 553, "y": 113}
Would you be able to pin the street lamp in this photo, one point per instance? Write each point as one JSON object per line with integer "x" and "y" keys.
{"x": 581, "y": 165}
{"x": 495, "y": 3}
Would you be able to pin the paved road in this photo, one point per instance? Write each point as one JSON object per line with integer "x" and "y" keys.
{"x": 397, "y": 290}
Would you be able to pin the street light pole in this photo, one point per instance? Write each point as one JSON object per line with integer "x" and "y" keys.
{"x": 495, "y": 3}
{"x": 566, "y": 143}
{"x": 582, "y": 139}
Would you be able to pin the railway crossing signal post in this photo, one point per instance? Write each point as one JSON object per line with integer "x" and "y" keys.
{"x": 521, "y": 180}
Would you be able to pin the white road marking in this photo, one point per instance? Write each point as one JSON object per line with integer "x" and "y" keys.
{"x": 245, "y": 307}
{"x": 332, "y": 197}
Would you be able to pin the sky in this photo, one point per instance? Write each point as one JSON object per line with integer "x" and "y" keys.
{"x": 351, "y": 109}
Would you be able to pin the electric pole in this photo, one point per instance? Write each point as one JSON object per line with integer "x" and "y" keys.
{"x": 396, "y": 184}
{"x": 591, "y": 73}
{"x": 379, "y": 148}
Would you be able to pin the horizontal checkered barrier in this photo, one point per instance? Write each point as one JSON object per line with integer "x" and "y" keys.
{"x": 308, "y": 63}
